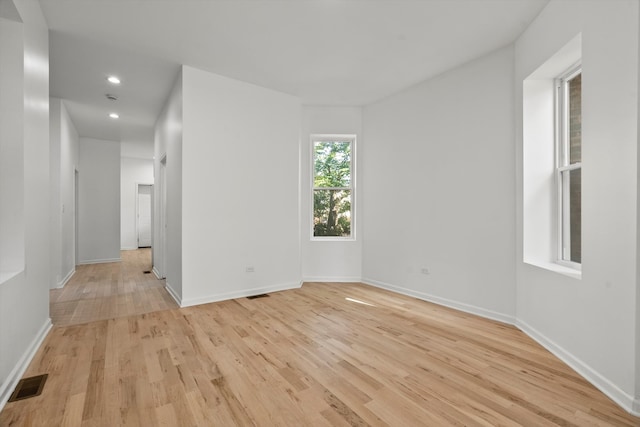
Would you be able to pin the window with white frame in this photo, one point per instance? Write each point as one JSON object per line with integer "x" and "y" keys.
{"x": 569, "y": 166}
{"x": 332, "y": 186}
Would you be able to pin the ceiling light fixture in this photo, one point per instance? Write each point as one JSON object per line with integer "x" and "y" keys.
{"x": 114, "y": 80}
{"x": 114, "y": 115}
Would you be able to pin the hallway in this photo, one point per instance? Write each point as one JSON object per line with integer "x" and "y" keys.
{"x": 110, "y": 290}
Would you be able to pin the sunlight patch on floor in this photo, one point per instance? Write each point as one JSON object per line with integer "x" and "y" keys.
{"x": 359, "y": 302}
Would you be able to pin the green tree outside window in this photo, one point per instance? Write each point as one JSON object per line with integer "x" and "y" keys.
{"x": 332, "y": 188}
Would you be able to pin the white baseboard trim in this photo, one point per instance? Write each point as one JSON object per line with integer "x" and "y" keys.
{"x": 156, "y": 272}
{"x": 99, "y": 261}
{"x": 332, "y": 279}
{"x": 129, "y": 248}
{"x": 628, "y": 402}
{"x": 16, "y": 373}
{"x": 172, "y": 292}
{"x": 467, "y": 308}
{"x": 239, "y": 294}
{"x": 66, "y": 278}
{"x": 625, "y": 400}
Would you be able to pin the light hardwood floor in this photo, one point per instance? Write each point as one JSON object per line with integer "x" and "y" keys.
{"x": 105, "y": 291}
{"x": 323, "y": 355}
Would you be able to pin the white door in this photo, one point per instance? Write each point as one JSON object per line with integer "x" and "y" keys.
{"x": 144, "y": 216}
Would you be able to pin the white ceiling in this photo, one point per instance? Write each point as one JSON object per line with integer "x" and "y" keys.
{"x": 78, "y": 74}
{"x": 327, "y": 52}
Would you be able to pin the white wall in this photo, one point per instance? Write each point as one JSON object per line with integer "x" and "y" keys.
{"x": 168, "y": 145}
{"x": 337, "y": 261}
{"x": 55, "y": 122}
{"x": 133, "y": 172}
{"x": 12, "y": 227}
{"x": 591, "y": 323}
{"x": 63, "y": 163}
{"x": 240, "y": 188}
{"x": 140, "y": 147}
{"x": 98, "y": 201}
{"x": 438, "y": 189}
{"x": 637, "y": 309}
{"x": 24, "y": 299}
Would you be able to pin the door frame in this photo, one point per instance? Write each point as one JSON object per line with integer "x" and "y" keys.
{"x": 138, "y": 184}
{"x": 159, "y": 251}
{"x": 76, "y": 216}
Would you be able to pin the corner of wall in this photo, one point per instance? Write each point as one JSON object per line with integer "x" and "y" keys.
{"x": 170, "y": 290}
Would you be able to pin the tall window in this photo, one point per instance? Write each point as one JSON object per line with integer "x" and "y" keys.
{"x": 333, "y": 186}
{"x": 569, "y": 166}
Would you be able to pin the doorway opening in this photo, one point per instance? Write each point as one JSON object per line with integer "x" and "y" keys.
{"x": 143, "y": 215}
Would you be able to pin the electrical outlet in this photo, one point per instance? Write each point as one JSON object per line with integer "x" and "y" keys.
{"x": 249, "y": 269}
{"x": 424, "y": 270}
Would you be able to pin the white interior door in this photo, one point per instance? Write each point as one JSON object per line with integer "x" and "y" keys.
{"x": 144, "y": 216}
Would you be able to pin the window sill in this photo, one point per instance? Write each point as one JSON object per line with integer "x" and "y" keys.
{"x": 5, "y": 276}
{"x": 333, "y": 239}
{"x": 557, "y": 268}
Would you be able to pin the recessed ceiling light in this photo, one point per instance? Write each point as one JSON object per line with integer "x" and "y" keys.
{"x": 114, "y": 115}
{"x": 114, "y": 80}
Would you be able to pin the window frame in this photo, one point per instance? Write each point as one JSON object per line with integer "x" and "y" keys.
{"x": 564, "y": 167}
{"x": 351, "y": 139}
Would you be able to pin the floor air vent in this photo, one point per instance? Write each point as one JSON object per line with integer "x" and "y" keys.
{"x": 28, "y": 387}
{"x": 258, "y": 296}
{"x": 147, "y": 272}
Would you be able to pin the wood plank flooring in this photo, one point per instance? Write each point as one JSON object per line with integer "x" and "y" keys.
{"x": 324, "y": 355}
{"x": 105, "y": 291}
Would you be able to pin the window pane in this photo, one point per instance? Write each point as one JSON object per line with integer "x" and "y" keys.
{"x": 572, "y": 215}
{"x": 332, "y": 213}
{"x": 332, "y": 164}
{"x": 575, "y": 214}
{"x": 575, "y": 119}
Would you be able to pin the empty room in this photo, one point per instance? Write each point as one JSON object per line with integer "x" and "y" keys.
{"x": 319, "y": 213}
